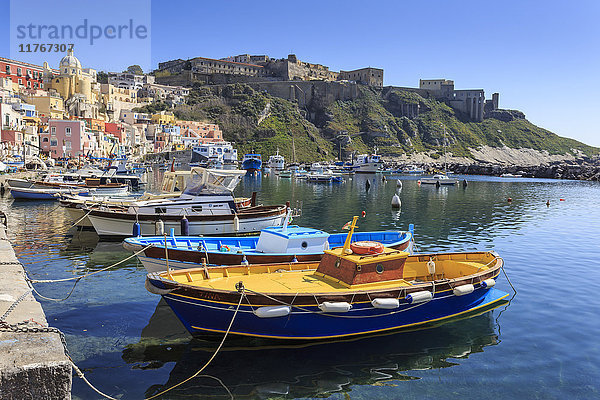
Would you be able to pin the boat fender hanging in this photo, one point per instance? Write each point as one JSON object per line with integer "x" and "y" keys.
{"x": 156, "y": 290}
{"x": 137, "y": 229}
{"x": 185, "y": 226}
{"x": 463, "y": 289}
{"x": 335, "y": 306}
{"x": 385, "y": 303}
{"x": 488, "y": 283}
{"x": 159, "y": 228}
{"x": 419, "y": 297}
{"x": 236, "y": 223}
{"x": 272, "y": 311}
{"x": 431, "y": 267}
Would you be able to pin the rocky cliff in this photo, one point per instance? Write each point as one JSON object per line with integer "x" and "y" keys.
{"x": 401, "y": 124}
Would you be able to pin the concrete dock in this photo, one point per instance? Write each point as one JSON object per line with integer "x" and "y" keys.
{"x": 33, "y": 364}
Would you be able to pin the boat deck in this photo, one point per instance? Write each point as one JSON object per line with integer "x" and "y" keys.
{"x": 303, "y": 277}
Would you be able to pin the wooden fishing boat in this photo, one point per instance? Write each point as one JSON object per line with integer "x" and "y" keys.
{"x": 207, "y": 204}
{"x": 274, "y": 245}
{"x": 43, "y": 194}
{"x": 348, "y": 293}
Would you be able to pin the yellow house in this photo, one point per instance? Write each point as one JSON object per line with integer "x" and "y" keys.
{"x": 163, "y": 118}
{"x": 47, "y": 106}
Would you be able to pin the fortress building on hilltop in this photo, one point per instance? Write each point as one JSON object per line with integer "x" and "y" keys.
{"x": 258, "y": 68}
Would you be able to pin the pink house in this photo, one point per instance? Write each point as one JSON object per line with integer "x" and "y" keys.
{"x": 67, "y": 138}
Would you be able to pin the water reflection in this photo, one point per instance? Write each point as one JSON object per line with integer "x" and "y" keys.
{"x": 255, "y": 368}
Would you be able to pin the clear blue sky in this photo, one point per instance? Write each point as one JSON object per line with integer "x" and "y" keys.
{"x": 542, "y": 57}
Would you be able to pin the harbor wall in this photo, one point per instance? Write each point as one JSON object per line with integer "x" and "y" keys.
{"x": 33, "y": 364}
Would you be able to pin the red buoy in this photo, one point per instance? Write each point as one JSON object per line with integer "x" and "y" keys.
{"x": 364, "y": 214}
{"x": 562, "y": 199}
{"x": 509, "y": 199}
{"x": 366, "y": 247}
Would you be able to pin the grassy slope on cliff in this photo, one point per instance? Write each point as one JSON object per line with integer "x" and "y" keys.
{"x": 376, "y": 120}
{"x": 256, "y": 121}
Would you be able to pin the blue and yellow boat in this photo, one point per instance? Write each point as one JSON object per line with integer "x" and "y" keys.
{"x": 360, "y": 288}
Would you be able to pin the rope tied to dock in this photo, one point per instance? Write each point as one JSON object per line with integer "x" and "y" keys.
{"x": 77, "y": 278}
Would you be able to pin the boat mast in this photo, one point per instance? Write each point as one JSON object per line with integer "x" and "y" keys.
{"x": 445, "y": 159}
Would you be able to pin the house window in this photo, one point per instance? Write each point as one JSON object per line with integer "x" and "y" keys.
{"x": 68, "y": 144}
{"x": 45, "y": 139}
{"x": 20, "y": 81}
{"x": 18, "y": 71}
{"x": 53, "y": 131}
{"x": 68, "y": 131}
{"x": 29, "y": 84}
{"x": 8, "y": 69}
{"x": 53, "y": 142}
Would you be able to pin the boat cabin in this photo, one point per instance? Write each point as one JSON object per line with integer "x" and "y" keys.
{"x": 359, "y": 269}
{"x": 292, "y": 240}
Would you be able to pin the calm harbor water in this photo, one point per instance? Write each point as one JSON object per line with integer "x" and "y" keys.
{"x": 544, "y": 344}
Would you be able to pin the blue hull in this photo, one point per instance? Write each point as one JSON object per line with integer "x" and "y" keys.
{"x": 200, "y": 316}
{"x": 252, "y": 165}
{"x": 247, "y": 244}
{"x": 17, "y": 194}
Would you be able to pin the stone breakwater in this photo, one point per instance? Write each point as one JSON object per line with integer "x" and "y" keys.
{"x": 556, "y": 170}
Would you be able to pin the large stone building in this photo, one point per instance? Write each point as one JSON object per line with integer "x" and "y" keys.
{"x": 258, "y": 68}
{"x": 77, "y": 86}
{"x": 470, "y": 102}
{"x": 126, "y": 80}
{"x": 366, "y": 76}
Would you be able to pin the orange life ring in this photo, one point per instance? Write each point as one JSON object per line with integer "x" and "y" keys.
{"x": 366, "y": 247}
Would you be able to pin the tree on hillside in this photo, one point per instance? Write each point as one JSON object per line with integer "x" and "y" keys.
{"x": 102, "y": 77}
{"x": 135, "y": 69}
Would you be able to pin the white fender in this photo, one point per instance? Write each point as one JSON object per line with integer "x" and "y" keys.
{"x": 272, "y": 311}
{"x": 385, "y": 303}
{"x": 339, "y": 306}
{"x": 463, "y": 289}
{"x": 488, "y": 283}
{"x": 419, "y": 297}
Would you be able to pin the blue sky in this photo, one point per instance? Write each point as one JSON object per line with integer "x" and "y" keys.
{"x": 542, "y": 57}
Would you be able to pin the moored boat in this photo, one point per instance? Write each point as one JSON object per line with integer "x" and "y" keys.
{"x": 438, "y": 179}
{"x": 274, "y": 245}
{"x": 252, "y": 162}
{"x": 358, "y": 289}
{"x": 207, "y": 204}
{"x": 43, "y": 194}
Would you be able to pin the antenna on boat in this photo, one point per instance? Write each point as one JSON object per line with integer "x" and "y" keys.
{"x": 349, "y": 237}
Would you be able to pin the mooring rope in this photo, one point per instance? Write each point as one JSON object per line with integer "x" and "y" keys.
{"x": 242, "y": 295}
{"x": 88, "y": 274}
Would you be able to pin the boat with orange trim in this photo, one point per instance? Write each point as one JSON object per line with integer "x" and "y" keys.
{"x": 345, "y": 294}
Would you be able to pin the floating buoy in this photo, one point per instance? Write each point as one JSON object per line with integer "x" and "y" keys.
{"x": 437, "y": 184}
{"x": 548, "y": 203}
{"x": 464, "y": 183}
{"x": 331, "y": 306}
{"x": 385, "y": 303}
{"x": 137, "y": 229}
{"x": 463, "y": 289}
{"x": 561, "y": 199}
{"x": 509, "y": 199}
{"x": 272, "y": 311}
{"x": 364, "y": 214}
{"x": 368, "y": 185}
{"x": 399, "y": 183}
{"x": 419, "y": 182}
{"x": 185, "y": 226}
{"x": 488, "y": 283}
{"x": 366, "y": 247}
{"x": 159, "y": 228}
{"x": 419, "y": 297}
{"x": 383, "y": 179}
{"x": 396, "y": 203}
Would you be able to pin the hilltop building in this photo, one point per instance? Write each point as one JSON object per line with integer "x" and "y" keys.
{"x": 366, "y": 76}
{"x": 470, "y": 101}
{"x": 126, "y": 80}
